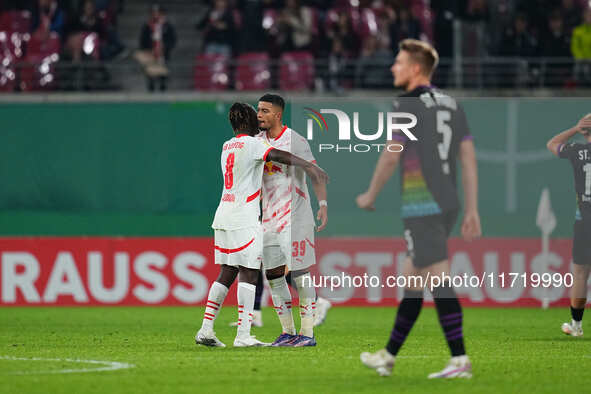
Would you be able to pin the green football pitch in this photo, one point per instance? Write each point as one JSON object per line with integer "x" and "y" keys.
{"x": 56, "y": 350}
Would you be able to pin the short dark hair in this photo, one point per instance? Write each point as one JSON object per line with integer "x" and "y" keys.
{"x": 243, "y": 117}
{"x": 421, "y": 53}
{"x": 274, "y": 99}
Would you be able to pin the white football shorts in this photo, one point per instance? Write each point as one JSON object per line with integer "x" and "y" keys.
{"x": 242, "y": 247}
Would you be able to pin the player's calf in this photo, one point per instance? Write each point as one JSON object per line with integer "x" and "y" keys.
{"x": 307, "y": 294}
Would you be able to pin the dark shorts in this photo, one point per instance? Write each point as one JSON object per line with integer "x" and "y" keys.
{"x": 426, "y": 237}
{"x": 582, "y": 243}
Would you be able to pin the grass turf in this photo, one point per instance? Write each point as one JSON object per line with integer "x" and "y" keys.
{"x": 512, "y": 350}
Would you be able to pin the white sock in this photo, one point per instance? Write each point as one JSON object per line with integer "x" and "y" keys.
{"x": 577, "y": 324}
{"x": 463, "y": 359}
{"x": 215, "y": 299}
{"x": 282, "y": 302}
{"x": 307, "y": 294}
{"x": 246, "y": 293}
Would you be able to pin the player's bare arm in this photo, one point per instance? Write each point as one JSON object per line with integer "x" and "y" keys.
{"x": 386, "y": 166}
{"x": 471, "y": 223}
{"x": 316, "y": 173}
{"x": 321, "y": 195}
{"x": 583, "y": 127}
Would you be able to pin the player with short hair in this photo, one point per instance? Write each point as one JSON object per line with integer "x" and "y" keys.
{"x": 579, "y": 156}
{"x": 288, "y": 224}
{"x": 430, "y": 202}
{"x": 238, "y": 231}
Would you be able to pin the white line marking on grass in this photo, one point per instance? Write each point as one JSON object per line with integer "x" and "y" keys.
{"x": 103, "y": 365}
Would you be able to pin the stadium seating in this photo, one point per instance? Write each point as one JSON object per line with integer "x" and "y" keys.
{"x": 7, "y": 63}
{"x": 253, "y": 72}
{"x": 38, "y": 68}
{"x": 14, "y": 32}
{"x": 211, "y": 72}
{"x": 296, "y": 71}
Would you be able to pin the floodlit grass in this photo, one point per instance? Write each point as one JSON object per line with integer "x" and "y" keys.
{"x": 512, "y": 350}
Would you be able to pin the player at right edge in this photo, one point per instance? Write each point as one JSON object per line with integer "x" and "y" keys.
{"x": 579, "y": 156}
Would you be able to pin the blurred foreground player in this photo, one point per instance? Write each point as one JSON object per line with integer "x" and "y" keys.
{"x": 288, "y": 224}
{"x": 238, "y": 231}
{"x": 579, "y": 156}
{"x": 430, "y": 203}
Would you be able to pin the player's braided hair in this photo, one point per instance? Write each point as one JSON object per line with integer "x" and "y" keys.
{"x": 243, "y": 118}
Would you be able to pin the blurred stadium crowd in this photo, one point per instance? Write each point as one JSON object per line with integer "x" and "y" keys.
{"x": 295, "y": 44}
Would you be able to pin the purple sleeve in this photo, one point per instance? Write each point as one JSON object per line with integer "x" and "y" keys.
{"x": 399, "y": 137}
{"x": 468, "y": 137}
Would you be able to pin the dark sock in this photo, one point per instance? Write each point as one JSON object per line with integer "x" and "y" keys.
{"x": 407, "y": 314}
{"x": 577, "y": 314}
{"x": 259, "y": 292}
{"x": 289, "y": 280}
{"x": 449, "y": 311}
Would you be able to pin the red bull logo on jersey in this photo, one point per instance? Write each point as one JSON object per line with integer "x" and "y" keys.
{"x": 271, "y": 168}
{"x": 396, "y": 123}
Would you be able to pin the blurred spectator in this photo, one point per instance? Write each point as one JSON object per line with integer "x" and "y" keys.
{"x": 343, "y": 46}
{"x": 501, "y": 18}
{"x": 338, "y": 62}
{"x": 537, "y": 14}
{"x": 157, "y": 39}
{"x": 517, "y": 41}
{"x": 571, "y": 11}
{"x": 581, "y": 48}
{"x": 372, "y": 69}
{"x": 445, "y": 13}
{"x": 581, "y": 38}
{"x": 218, "y": 29}
{"x": 295, "y": 25}
{"x": 476, "y": 11}
{"x": 47, "y": 17}
{"x": 403, "y": 25}
{"x": 251, "y": 34}
{"x": 344, "y": 34}
{"x": 556, "y": 43}
{"x": 86, "y": 22}
{"x": 89, "y": 21}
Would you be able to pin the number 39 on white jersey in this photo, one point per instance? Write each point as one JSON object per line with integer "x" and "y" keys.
{"x": 243, "y": 160}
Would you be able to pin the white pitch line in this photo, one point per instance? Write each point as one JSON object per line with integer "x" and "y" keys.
{"x": 106, "y": 365}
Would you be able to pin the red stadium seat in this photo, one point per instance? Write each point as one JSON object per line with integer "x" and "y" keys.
{"x": 252, "y": 71}
{"x": 16, "y": 21}
{"x": 37, "y": 71}
{"x": 211, "y": 72}
{"x": 296, "y": 71}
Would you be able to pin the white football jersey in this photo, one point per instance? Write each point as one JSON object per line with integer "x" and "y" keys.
{"x": 286, "y": 200}
{"x": 243, "y": 160}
